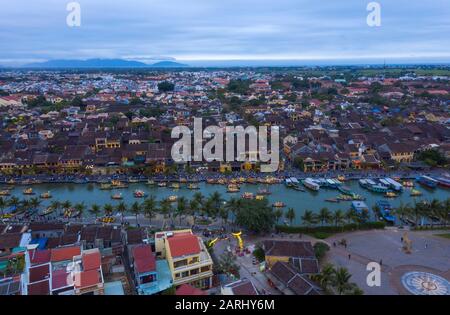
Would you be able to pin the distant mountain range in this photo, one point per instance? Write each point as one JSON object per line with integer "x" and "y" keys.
{"x": 103, "y": 63}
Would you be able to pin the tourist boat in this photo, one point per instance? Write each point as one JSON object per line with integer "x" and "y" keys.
{"x": 107, "y": 219}
{"x": 341, "y": 178}
{"x": 279, "y": 204}
{"x": 259, "y": 197}
{"x": 333, "y": 183}
{"x": 251, "y": 180}
{"x": 46, "y": 195}
{"x": 183, "y": 180}
{"x": 151, "y": 182}
{"x": 332, "y": 200}
{"x": 175, "y": 186}
{"x": 443, "y": 181}
{"x": 172, "y": 198}
{"x": 415, "y": 193}
{"x": 11, "y": 182}
{"x": 390, "y": 194}
{"x": 247, "y": 195}
{"x": 105, "y": 186}
{"x": 311, "y": 184}
{"x": 345, "y": 198}
{"x": 117, "y": 196}
{"x": 132, "y": 180}
{"x": 193, "y": 186}
{"x": 7, "y": 216}
{"x": 263, "y": 191}
{"x": 211, "y": 181}
{"x": 241, "y": 180}
{"x": 427, "y": 181}
{"x": 139, "y": 194}
{"x": 408, "y": 183}
{"x": 28, "y": 191}
{"x": 345, "y": 190}
{"x": 5, "y": 193}
{"x": 288, "y": 182}
{"x": 394, "y": 184}
{"x": 232, "y": 188}
{"x": 116, "y": 184}
{"x": 162, "y": 184}
{"x": 385, "y": 211}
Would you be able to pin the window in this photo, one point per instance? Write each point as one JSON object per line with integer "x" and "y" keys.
{"x": 204, "y": 269}
{"x": 193, "y": 260}
{"x": 185, "y": 274}
{"x": 148, "y": 278}
{"x": 194, "y": 272}
{"x": 180, "y": 263}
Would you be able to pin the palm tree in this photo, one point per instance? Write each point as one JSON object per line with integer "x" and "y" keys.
{"x": 149, "y": 207}
{"x": 79, "y": 207}
{"x": 136, "y": 210}
{"x": 14, "y": 201}
{"x": 181, "y": 207}
{"x": 55, "y": 204}
{"x": 418, "y": 210}
{"x": 108, "y": 209}
{"x": 278, "y": 214}
{"x": 193, "y": 208}
{"x": 324, "y": 216}
{"x": 233, "y": 205}
{"x": 351, "y": 215}
{"x": 403, "y": 210}
{"x": 326, "y": 276}
{"x": 338, "y": 217}
{"x": 66, "y": 204}
{"x": 308, "y": 217}
{"x": 290, "y": 215}
{"x": 224, "y": 213}
{"x": 95, "y": 210}
{"x": 198, "y": 197}
{"x": 121, "y": 208}
{"x": 165, "y": 207}
{"x": 341, "y": 280}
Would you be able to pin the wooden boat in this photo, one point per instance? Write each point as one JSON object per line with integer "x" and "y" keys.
{"x": 183, "y": 180}
{"x": 5, "y": 193}
{"x": 251, "y": 180}
{"x": 11, "y": 182}
{"x": 105, "y": 186}
{"x": 211, "y": 181}
{"x": 28, "y": 191}
{"x": 233, "y": 188}
{"x": 332, "y": 200}
{"x": 247, "y": 195}
{"x": 408, "y": 183}
{"x": 344, "y": 198}
{"x": 139, "y": 194}
{"x": 117, "y": 196}
{"x": 162, "y": 184}
{"x": 118, "y": 184}
{"x": 415, "y": 193}
{"x": 175, "y": 186}
{"x": 259, "y": 197}
{"x": 151, "y": 182}
{"x": 46, "y": 195}
{"x": 133, "y": 180}
{"x": 279, "y": 204}
{"x": 193, "y": 186}
{"x": 172, "y": 198}
{"x": 7, "y": 216}
{"x": 263, "y": 192}
{"x": 341, "y": 178}
{"x": 390, "y": 194}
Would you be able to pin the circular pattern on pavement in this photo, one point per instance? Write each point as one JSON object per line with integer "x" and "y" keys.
{"x": 424, "y": 283}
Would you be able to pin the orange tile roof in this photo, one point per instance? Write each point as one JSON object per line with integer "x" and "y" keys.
{"x": 91, "y": 261}
{"x": 88, "y": 278}
{"x": 183, "y": 245}
{"x": 65, "y": 253}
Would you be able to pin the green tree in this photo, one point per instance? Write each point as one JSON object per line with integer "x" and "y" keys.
{"x": 255, "y": 215}
{"x": 308, "y": 218}
{"x": 341, "y": 280}
{"x": 338, "y": 217}
{"x": 95, "y": 210}
{"x": 122, "y": 209}
{"x": 150, "y": 207}
{"x": 325, "y": 216}
{"x": 290, "y": 215}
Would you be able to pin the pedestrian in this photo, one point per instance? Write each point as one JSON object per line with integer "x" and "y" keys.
{"x": 401, "y": 239}
{"x": 334, "y": 244}
{"x": 426, "y": 245}
{"x": 349, "y": 256}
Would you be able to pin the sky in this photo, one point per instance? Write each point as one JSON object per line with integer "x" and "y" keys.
{"x": 215, "y": 30}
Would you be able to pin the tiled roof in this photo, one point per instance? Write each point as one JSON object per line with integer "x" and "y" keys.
{"x": 144, "y": 260}
{"x": 289, "y": 248}
{"x": 183, "y": 245}
{"x": 65, "y": 253}
{"x": 187, "y": 289}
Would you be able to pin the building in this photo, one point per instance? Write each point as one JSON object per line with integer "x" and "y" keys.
{"x": 188, "y": 258}
{"x": 239, "y": 287}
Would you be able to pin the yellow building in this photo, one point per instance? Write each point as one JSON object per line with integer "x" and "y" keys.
{"x": 188, "y": 258}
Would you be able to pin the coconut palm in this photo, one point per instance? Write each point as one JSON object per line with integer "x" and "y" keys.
{"x": 95, "y": 210}
{"x": 149, "y": 207}
{"x": 308, "y": 217}
{"x": 66, "y": 204}
{"x": 233, "y": 205}
{"x": 136, "y": 210}
{"x": 290, "y": 215}
{"x": 351, "y": 215}
{"x": 338, "y": 217}
{"x": 278, "y": 214}
{"x": 324, "y": 216}
{"x": 122, "y": 209}
{"x": 55, "y": 204}
{"x": 14, "y": 201}
{"x": 181, "y": 207}
{"x": 108, "y": 209}
{"x": 80, "y": 207}
{"x": 341, "y": 280}
{"x": 198, "y": 197}
{"x": 2, "y": 205}
{"x": 35, "y": 203}
{"x": 325, "y": 277}
{"x": 165, "y": 207}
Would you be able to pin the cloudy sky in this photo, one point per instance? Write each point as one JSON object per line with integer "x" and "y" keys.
{"x": 224, "y": 30}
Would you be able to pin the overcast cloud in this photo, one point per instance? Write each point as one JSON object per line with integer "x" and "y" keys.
{"x": 146, "y": 30}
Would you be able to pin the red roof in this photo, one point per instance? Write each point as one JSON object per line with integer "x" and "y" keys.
{"x": 39, "y": 257}
{"x": 39, "y": 288}
{"x": 39, "y": 273}
{"x": 187, "y": 289}
{"x": 144, "y": 260}
{"x": 61, "y": 279}
{"x": 91, "y": 261}
{"x": 88, "y": 278}
{"x": 183, "y": 245}
{"x": 65, "y": 253}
